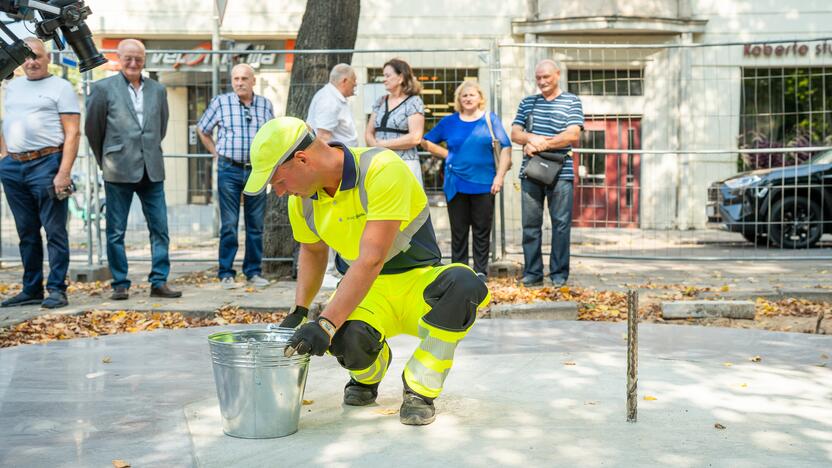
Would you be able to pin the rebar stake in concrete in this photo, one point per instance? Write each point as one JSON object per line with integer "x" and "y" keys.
{"x": 632, "y": 355}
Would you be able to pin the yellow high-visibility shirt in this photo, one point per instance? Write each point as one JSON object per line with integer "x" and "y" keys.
{"x": 392, "y": 193}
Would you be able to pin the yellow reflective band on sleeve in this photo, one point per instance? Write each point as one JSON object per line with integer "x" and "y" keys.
{"x": 376, "y": 371}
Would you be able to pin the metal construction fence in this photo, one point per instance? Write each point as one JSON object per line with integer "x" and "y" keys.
{"x": 670, "y": 130}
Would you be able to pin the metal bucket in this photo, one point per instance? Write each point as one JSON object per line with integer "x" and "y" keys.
{"x": 260, "y": 391}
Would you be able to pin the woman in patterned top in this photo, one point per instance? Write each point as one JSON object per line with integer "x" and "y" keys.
{"x": 398, "y": 121}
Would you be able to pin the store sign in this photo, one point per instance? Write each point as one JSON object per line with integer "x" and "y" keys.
{"x": 197, "y": 60}
{"x": 794, "y": 49}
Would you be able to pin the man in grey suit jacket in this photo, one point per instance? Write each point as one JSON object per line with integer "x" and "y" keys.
{"x": 127, "y": 117}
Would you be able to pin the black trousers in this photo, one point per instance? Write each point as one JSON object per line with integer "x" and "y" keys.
{"x": 475, "y": 213}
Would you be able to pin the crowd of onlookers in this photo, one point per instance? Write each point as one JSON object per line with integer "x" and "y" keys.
{"x": 126, "y": 121}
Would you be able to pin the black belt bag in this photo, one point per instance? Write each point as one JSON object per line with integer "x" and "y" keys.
{"x": 544, "y": 167}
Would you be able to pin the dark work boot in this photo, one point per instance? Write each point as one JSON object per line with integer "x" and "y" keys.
{"x": 358, "y": 394}
{"x": 22, "y": 299}
{"x": 416, "y": 410}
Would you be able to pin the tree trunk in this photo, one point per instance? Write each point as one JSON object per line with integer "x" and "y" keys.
{"x": 325, "y": 25}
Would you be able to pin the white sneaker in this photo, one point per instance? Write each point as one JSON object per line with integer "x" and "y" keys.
{"x": 228, "y": 283}
{"x": 258, "y": 281}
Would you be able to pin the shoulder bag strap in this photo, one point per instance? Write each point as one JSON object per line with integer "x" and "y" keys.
{"x": 495, "y": 147}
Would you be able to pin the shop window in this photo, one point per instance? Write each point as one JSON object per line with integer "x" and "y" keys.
{"x": 618, "y": 82}
{"x": 438, "y": 86}
{"x": 200, "y": 170}
{"x": 784, "y": 107}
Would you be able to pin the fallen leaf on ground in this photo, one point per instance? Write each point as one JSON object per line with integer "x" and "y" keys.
{"x": 569, "y": 363}
{"x": 744, "y": 385}
{"x": 106, "y": 360}
{"x": 824, "y": 356}
{"x": 120, "y": 464}
{"x": 308, "y": 402}
{"x": 386, "y": 411}
{"x": 249, "y": 290}
{"x": 649, "y": 398}
{"x": 755, "y": 359}
{"x": 727, "y": 364}
{"x": 719, "y": 426}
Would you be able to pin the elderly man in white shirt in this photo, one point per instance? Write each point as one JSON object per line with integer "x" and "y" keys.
{"x": 329, "y": 114}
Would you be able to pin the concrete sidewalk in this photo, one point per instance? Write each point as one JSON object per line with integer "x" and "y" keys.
{"x": 521, "y": 394}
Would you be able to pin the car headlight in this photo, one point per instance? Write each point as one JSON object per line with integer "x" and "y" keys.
{"x": 742, "y": 182}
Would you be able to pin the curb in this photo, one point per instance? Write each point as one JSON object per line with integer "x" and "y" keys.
{"x": 708, "y": 309}
{"x": 548, "y": 310}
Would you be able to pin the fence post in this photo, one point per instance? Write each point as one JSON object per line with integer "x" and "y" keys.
{"x": 85, "y": 81}
{"x": 497, "y": 106}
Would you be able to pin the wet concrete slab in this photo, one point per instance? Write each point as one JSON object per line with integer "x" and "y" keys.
{"x": 521, "y": 393}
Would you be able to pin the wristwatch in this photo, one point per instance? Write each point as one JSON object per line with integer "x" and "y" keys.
{"x": 328, "y": 327}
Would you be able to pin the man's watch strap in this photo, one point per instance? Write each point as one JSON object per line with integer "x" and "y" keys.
{"x": 327, "y": 326}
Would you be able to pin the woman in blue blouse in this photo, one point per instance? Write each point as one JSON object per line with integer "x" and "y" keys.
{"x": 471, "y": 176}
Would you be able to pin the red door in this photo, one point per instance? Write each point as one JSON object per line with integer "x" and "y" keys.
{"x": 607, "y": 184}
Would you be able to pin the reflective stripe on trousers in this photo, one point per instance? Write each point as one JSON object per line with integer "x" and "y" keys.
{"x": 373, "y": 374}
{"x": 427, "y": 369}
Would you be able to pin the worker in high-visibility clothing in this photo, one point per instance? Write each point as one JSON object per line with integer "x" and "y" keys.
{"x": 367, "y": 205}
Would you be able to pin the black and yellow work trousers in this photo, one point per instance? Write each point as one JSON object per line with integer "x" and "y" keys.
{"x": 436, "y": 304}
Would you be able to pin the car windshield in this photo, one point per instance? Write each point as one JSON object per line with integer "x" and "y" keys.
{"x": 822, "y": 158}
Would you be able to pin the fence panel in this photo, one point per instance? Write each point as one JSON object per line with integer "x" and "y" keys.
{"x": 670, "y": 132}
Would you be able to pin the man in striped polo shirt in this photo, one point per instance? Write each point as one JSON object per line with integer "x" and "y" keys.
{"x": 557, "y": 120}
{"x": 238, "y": 115}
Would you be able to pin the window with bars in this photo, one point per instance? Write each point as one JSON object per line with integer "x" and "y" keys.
{"x": 617, "y": 82}
{"x": 438, "y": 86}
{"x": 784, "y": 107}
{"x": 593, "y": 164}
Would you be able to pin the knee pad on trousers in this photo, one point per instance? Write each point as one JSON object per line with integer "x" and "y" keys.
{"x": 453, "y": 297}
{"x": 356, "y": 345}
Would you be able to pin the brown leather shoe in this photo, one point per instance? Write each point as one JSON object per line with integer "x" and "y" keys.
{"x": 120, "y": 294}
{"x": 164, "y": 291}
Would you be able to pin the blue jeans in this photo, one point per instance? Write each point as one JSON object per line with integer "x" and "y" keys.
{"x": 559, "y": 197}
{"x": 27, "y": 186}
{"x": 230, "y": 182}
{"x": 152, "y": 197}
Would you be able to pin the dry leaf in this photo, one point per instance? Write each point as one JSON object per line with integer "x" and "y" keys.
{"x": 386, "y": 411}
{"x": 249, "y": 290}
{"x": 755, "y": 359}
{"x": 727, "y": 364}
{"x": 120, "y": 464}
{"x": 824, "y": 356}
{"x": 568, "y": 363}
{"x": 308, "y": 402}
{"x": 106, "y": 360}
{"x": 725, "y": 288}
{"x": 719, "y": 426}
{"x": 744, "y": 385}
{"x": 649, "y": 398}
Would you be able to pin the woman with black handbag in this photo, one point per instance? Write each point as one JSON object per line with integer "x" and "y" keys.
{"x": 476, "y": 162}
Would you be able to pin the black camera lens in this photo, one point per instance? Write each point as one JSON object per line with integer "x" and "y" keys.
{"x": 80, "y": 39}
